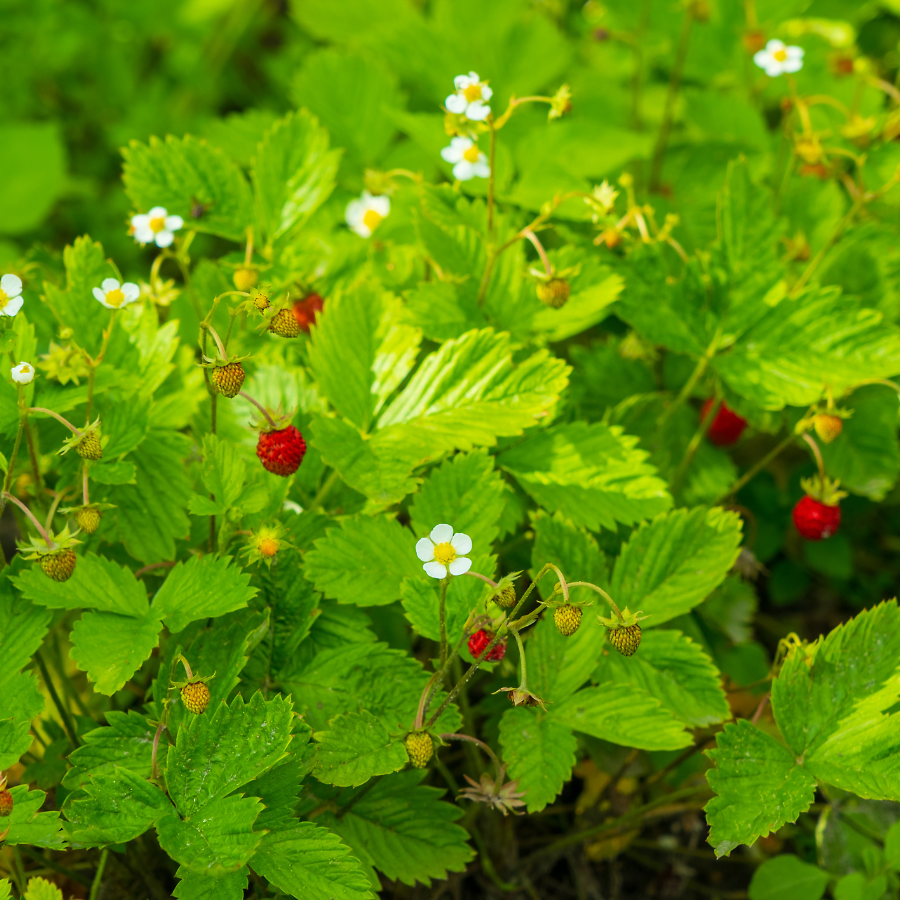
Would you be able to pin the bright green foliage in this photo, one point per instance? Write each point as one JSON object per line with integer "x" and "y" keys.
{"x": 363, "y": 561}
{"x": 356, "y": 747}
{"x": 223, "y": 476}
{"x": 5, "y": 889}
{"x": 124, "y": 743}
{"x": 402, "y": 828}
{"x": 573, "y": 549}
{"x": 228, "y": 886}
{"x": 29, "y": 826}
{"x": 540, "y": 754}
{"x": 672, "y": 563}
{"x": 41, "y": 889}
{"x": 593, "y": 474}
{"x": 787, "y": 878}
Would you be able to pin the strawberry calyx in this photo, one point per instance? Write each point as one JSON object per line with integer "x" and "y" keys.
{"x": 265, "y": 544}
{"x": 823, "y": 490}
{"x": 625, "y": 619}
{"x": 85, "y": 441}
{"x": 37, "y": 548}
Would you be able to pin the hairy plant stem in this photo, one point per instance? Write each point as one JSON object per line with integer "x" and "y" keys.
{"x": 442, "y": 618}
{"x": 694, "y": 445}
{"x": 11, "y": 465}
{"x": 523, "y": 681}
{"x": 494, "y": 641}
{"x": 94, "y": 365}
{"x": 98, "y": 878}
{"x": 259, "y": 406}
{"x": 818, "y": 455}
{"x": 688, "y": 389}
{"x": 324, "y": 490}
{"x": 659, "y": 151}
{"x": 40, "y": 528}
{"x": 600, "y": 591}
{"x": 491, "y": 179}
{"x": 756, "y": 468}
{"x": 57, "y": 499}
{"x": 32, "y": 455}
{"x": 498, "y": 767}
{"x": 58, "y": 417}
{"x": 64, "y": 713}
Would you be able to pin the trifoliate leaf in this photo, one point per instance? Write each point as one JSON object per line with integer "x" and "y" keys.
{"x": 593, "y": 474}
{"x": 311, "y": 863}
{"x": 400, "y": 827}
{"x": 244, "y": 740}
{"x": 22, "y": 630}
{"x": 227, "y": 886}
{"x": 126, "y": 743}
{"x": 111, "y": 647}
{"x": 356, "y": 747}
{"x": 201, "y": 588}
{"x": 114, "y": 809}
{"x": 293, "y": 174}
{"x": 559, "y": 665}
{"x": 364, "y": 561}
{"x": 27, "y": 825}
{"x": 215, "y": 839}
{"x": 759, "y": 784}
{"x": 572, "y": 549}
{"x": 622, "y": 715}
{"x": 540, "y": 754}
{"x": 675, "y": 670}
{"x": 97, "y": 583}
{"x": 467, "y": 492}
{"x": 176, "y": 172}
{"x": 785, "y": 877}
{"x": 671, "y": 564}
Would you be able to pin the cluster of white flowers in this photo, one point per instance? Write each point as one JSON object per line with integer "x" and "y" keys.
{"x": 11, "y": 299}
{"x": 443, "y": 551}
{"x": 114, "y": 295}
{"x": 156, "y": 227}
{"x": 470, "y": 97}
{"x": 776, "y": 58}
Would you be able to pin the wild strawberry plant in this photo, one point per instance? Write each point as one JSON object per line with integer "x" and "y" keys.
{"x": 413, "y": 475}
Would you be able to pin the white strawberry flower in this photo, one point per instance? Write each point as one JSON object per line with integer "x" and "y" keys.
{"x": 468, "y": 161}
{"x": 776, "y": 58}
{"x": 366, "y": 213}
{"x": 443, "y": 550}
{"x": 470, "y": 98}
{"x": 114, "y": 295}
{"x": 11, "y": 298}
{"x": 23, "y": 373}
{"x": 156, "y": 227}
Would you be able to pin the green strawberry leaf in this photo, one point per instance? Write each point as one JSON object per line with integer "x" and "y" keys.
{"x": 356, "y": 747}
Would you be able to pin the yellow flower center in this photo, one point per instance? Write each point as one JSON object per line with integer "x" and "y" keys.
{"x": 444, "y": 553}
{"x": 268, "y": 547}
{"x": 24, "y": 370}
{"x": 471, "y": 154}
{"x": 780, "y": 55}
{"x": 158, "y": 224}
{"x": 115, "y": 298}
{"x": 372, "y": 219}
{"x": 472, "y": 92}
{"x": 4, "y": 299}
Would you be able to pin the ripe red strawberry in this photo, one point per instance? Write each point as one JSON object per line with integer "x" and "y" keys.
{"x": 419, "y": 747}
{"x": 6, "y": 803}
{"x": 727, "y": 426}
{"x": 816, "y": 520}
{"x": 480, "y": 640}
{"x": 195, "y": 696}
{"x": 828, "y": 427}
{"x": 228, "y": 379}
{"x": 626, "y": 640}
{"x": 59, "y": 565}
{"x": 306, "y": 311}
{"x": 554, "y": 293}
{"x": 284, "y": 324}
{"x": 281, "y": 452}
{"x": 567, "y": 618}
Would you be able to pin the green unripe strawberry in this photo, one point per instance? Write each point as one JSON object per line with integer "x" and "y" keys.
{"x": 228, "y": 379}
{"x": 420, "y": 748}
{"x": 245, "y": 278}
{"x": 88, "y": 519}
{"x": 195, "y": 697}
{"x": 567, "y": 618}
{"x": 828, "y": 427}
{"x": 626, "y": 640}
{"x": 58, "y": 565}
{"x": 554, "y": 292}
{"x": 506, "y": 598}
{"x": 6, "y": 803}
{"x": 284, "y": 323}
{"x": 89, "y": 447}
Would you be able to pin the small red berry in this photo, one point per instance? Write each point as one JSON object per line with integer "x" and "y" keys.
{"x": 816, "y": 520}
{"x": 727, "y": 426}
{"x": 281, "y": 452}
{"x": 306, "y": 310}
{"x": 480, "y": 640}
{"x": 6, "y": 802}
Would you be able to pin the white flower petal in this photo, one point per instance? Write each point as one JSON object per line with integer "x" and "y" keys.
{"x": 381, "y": 205}
{"x": 774, "y": 45}
{"x": 164, "y": 238}
{"x": 144, "y": 235}
{"x": 473, "y": 78}
{"x": 441, "y": 534}
{"x": 131, "y": 292}
{"x": 435, "y": 570}
{"x": 141, "y": 220}
{"x": 486, "y": 93}
{"x": 461, "y": 543}
{"x": 13, "y": 305}
{"x": 451, "y": 154}
{"x": 460, "y": 565}
{"x": 795, "y": 52}
{"x": 792, "y": 65}
{"x": 481, "y": 169}
{"x": 463, "y": 170}
{"x": 354, "y": 213}
{"x": 425, "y": 549}
{"x": 173, "y": 223}
{"x": 158, "y": 212}
{"x": 461, "y": 82}
{"x": 100, "y": 295}
{"x": 477, "y": 111}
{"x": 456, "y": 103}
{"x": 109, "y": 284}
{"x": 774, "y": 70}
{"x": 11, "y": 285}
{"x": 762, "y": 58}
